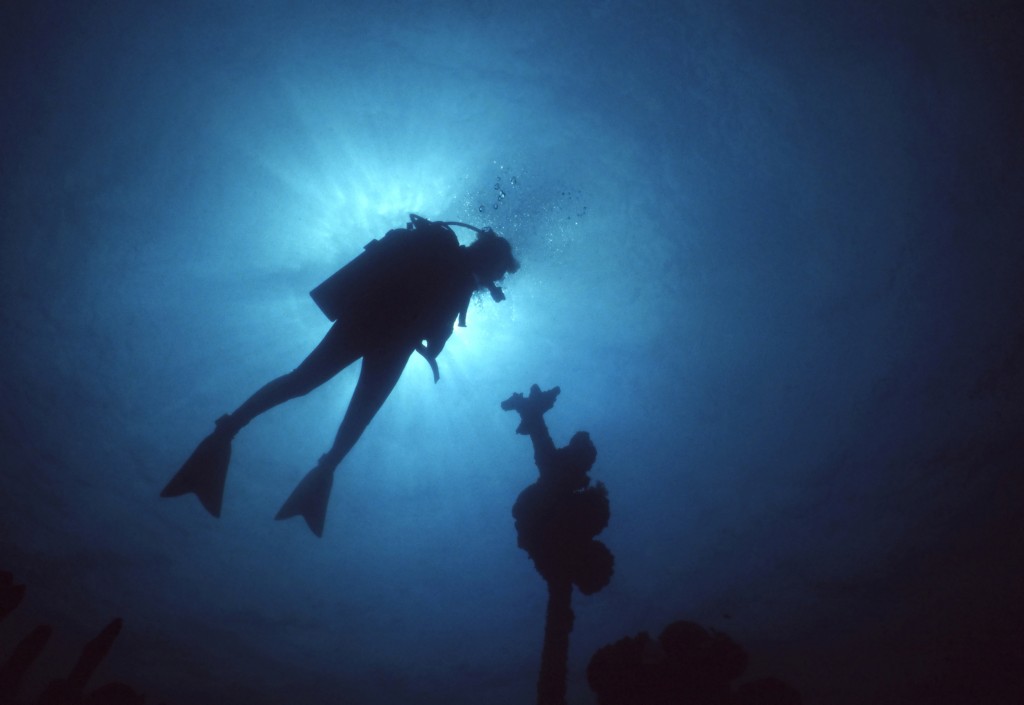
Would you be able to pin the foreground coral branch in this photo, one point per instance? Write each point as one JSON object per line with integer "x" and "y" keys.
{"x": 557, "y": 518}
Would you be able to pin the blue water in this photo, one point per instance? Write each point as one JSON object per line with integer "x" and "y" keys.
{"x": 771, "y": 255}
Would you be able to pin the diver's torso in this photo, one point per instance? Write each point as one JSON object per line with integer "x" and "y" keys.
{"x": 421, "y": 287}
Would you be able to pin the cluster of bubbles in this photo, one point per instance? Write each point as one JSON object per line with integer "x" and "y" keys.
{"x": 580, "y": 210}
{"x": 570, "y": 202}
{"x": 499, "y": 198}
{"x": 532, "y": 209}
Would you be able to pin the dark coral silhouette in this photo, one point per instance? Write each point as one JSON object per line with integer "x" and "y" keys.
{"x": 11, "y": 595}
{"x": 557, "y": 518}
{"x": 687, "y": 665}
{"x": 60, "y": 691}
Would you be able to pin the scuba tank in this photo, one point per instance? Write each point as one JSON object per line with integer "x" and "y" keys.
{"x": 361, "y": 276}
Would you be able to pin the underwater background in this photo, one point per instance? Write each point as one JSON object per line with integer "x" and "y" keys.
{"x": 771, "y": 253}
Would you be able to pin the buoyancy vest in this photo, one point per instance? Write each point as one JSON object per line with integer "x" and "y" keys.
{"x": 408, "y": 286}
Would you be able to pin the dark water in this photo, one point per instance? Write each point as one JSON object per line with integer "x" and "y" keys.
{"x": 771, "y": 255}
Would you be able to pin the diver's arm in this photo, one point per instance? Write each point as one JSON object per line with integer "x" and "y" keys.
{"x": 438, "y": 333}
{"x": 433, "y": 347}
{"x": 431, "y": 360}
{"x": 433, "y": 342}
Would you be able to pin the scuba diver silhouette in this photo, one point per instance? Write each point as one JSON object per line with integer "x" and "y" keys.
{"x": 401, "y": 295}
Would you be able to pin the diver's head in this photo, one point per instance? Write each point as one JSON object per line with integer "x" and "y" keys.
{"x": 490, "y": 257}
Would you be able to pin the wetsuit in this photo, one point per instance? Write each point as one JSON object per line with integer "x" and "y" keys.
{"x": 406, "y": 288}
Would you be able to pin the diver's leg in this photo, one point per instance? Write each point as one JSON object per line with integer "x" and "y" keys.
{"x": 377, "y": 378}
{"x": 334, "y": 353}
{"x": 205, "y": 471}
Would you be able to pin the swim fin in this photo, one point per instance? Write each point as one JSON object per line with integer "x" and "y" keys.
{"x": 309, "y": 499}
{"x": 205, "y": 471}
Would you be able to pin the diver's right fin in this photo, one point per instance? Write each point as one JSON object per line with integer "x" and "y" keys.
{"x": 205, "y": 472}
{"x": 309, "y": 499}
